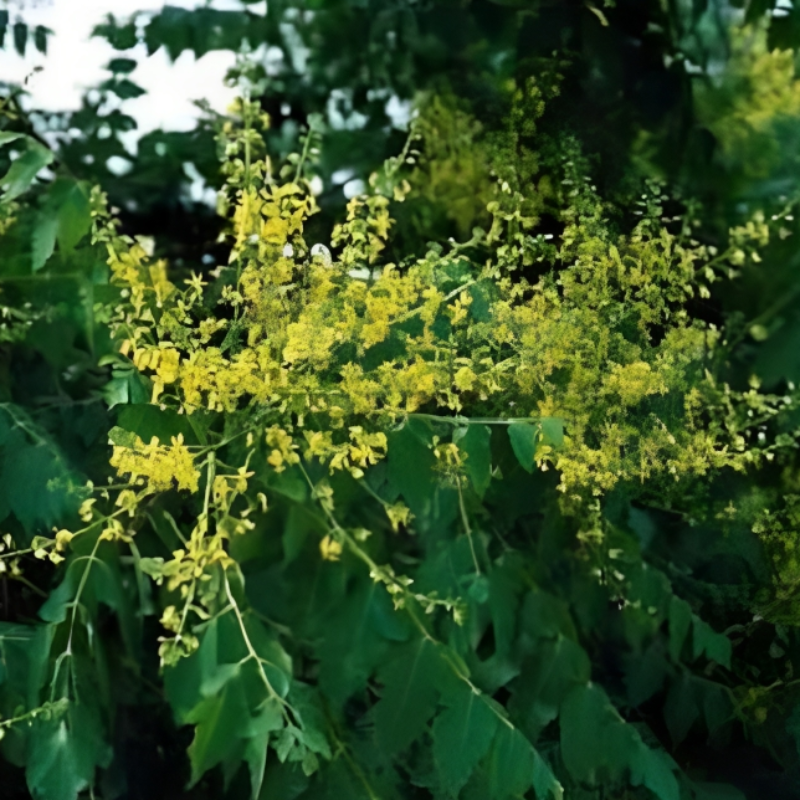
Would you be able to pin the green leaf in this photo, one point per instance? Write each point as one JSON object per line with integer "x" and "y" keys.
{"x": 514, "y": 766}
{"x": 285, "y": 781}
{"x": 24, "y": 169}
{"x": 219, "y": 725}
{"x": 411, "y": 466}
{"x": 510, "y": 764}
{"x": 275, "y": 661}
{"x": 715, "y": 646}
{"x": 115, "y": 392}
{"x": 506, "y": 584}
{"x": 552, "y": 431}
{"x": 545, "y": 784}
{"x": 595, "y": 742}
{"x": 717, "y": 705}
{"x": 475, "y": 442}
{"x": 40, "y": 34}
{"x": 126, "y": 89}
{"x": 793, "y": 726}
{"x": 20, "y": 37}
{"x": 34, "y": 482}
{"x": 121, "y": 437}
{"x": 357, "y": 639}
{"x": 289, "y": 483}
{"x": 64, "y": 752}
{"x": 597, "y": 745}
{"x": 680, "y": 619}
{"x": 120, "y": 37}
{"x": 655, "y": 770}
{"x": 545, "y": 616}
{"x": 43, "y": 240}
{"x": 126, "y": 386}
{"x": 409, "y": 698}
{"x": 146, "y": 421}
{"x": 10, "y": 136}
{"x": 122, "y": 66}
{"x": 482, "y": 294}
{"x": 74, "y": 217}
{"x": 645, "y": 674}
{"x": 461, "y": 737}
{"x": 523, "y": 436}
{"x": 553, "y": 669}
{"x": 268, "y": 719}
{"x": 681, "y": 709}
{"x": 24, "y": 651}
{"x": 716, "y": 791}
{"x": 306, "y": 702}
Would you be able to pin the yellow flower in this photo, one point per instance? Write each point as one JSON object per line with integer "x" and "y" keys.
{"x": 85, "y": 511}
{"x": 399, "y": 514}
{"x": 157, "y": 465}
{"x": 330, "y": 549}
{"x": 63, "y": 538}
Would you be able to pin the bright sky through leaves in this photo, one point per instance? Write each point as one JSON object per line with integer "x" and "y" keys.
{"x": 75, "y": 62}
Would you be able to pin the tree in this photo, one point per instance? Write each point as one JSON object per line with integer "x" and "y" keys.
{"x": 478, "y": 484}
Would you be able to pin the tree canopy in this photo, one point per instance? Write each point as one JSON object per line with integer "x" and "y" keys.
{"x": 453, "y": 454}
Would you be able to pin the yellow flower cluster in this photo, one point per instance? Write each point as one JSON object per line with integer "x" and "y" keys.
{"x": 158, "y": 466}
{"x": 330, "y": 351}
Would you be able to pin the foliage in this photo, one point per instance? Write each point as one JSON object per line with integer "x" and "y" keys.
{"x": 480, "y": 485}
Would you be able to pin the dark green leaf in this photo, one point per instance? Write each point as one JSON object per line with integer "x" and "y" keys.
{"x": 411, "y": 466}
{"x": 680, "y": 619}
{"x": 40, "y": 35}
{"x": 147, "y": 421}
{"x": 510, "y": 764}
{"x": 461, "y": 736}
{"x": 64, "y": 753}
{"x": 646, "y": 673}
{"x": 524, "y": 436}
{"x": 681, "y": 708}
{"x": 475, "y": 442}
{"x": 716, "y": 791}
{"x": 706, "y": 641}
{"x": 409, "y": 698}
{"x": 20, "y": 37}
{"x": 552, "y": 670}
{"x": 43, "y": 240}
{"x": 122, "y": 66}
{"x": 597, "y": 745}
{"x": 125, "y": 89}
{"x": 218, "y": 721}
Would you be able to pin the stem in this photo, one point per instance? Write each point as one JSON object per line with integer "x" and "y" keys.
{"x": 443, "y": 648}
{"x": 459, "y": 421}
{"x": 185, "y": 613}
{"x": 33, "y": 713}
{"x": 252, "y": 651}
{"x": 81, "y": 586}
{"x": 467, "y": 528}
{"x": 212, "y": 465}
{"x": 32, "y": 586}
{"x": 247, "y": 145}
{"x": 414, "y": 311}
{"x": 303, "y": 156}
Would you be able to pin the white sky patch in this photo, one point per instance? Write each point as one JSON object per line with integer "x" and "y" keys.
{"x": 76, "y": 62}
